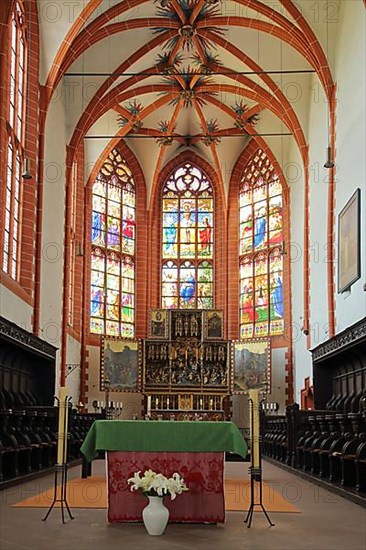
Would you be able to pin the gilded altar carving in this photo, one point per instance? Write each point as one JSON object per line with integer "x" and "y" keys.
{"x": 190, "y": 357}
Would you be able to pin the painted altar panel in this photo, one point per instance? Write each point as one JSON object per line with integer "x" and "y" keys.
{"x": 251, "y": 365}
{"x": 188, "y": 360}
{"x": 159, "y": 324}
{"x": 185, "y": 364}
{"x": 120, "y": 364}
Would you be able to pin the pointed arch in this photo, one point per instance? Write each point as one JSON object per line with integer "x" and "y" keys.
{"x": 187, "y": 245}
{"x": 131, "y": 236}
{"x": 272, "y": 249}
{"x": 218, "y": 231}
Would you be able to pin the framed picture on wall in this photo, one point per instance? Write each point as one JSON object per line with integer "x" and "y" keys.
{"x": 349, "y": 243}
{"x": 214, "y": 324}
{"x": 159, "y": 325}
{"x": 120, "y": 364}
{"x": 251, "y": 365}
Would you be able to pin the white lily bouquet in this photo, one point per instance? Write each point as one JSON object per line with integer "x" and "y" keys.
{"x": 157, "y": 485}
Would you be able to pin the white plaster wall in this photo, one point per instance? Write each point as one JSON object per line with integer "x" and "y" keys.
{"x": 318, "y": 215}
{"x": 278, "y": 373}
{"x": 295, "y": 179}
{"x": 53, "y": 227}
{"x": 55, "y": 19}
{"x": 350, "y": 70}
{"x": 73, "y": 372}
{"x": 15, "y": 309}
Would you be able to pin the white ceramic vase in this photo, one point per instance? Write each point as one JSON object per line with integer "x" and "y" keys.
{"x": 155, "y": 516}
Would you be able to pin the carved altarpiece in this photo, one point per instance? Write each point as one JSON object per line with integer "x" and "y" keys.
{"x": 187, "y": 372}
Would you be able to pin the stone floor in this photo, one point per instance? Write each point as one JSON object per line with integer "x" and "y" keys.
{"x": 326, "y": 522}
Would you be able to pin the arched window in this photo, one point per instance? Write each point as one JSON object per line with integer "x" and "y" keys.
{"x": 15, "y": 129}
{"x": 187, "y": 240}
{"x": 260, "y": 249}
{"x": 112, "y": 305}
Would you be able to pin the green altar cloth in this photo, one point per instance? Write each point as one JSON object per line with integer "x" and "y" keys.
{"x": 147, "y": 435}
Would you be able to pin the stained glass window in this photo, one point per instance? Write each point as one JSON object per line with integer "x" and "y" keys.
{"x": 15, "y": 151}
{"x": 187, "y": 240}
{"x": 260, "y": 250}
{"x": 112, "y": 305}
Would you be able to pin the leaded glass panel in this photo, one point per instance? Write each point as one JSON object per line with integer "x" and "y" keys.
{"x": 187, "y": 240}
{"x": 112, "y": 305}
{"x": 261, "y": 301}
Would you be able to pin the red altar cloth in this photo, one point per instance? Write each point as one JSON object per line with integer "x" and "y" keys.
{"x": 203, "y": 474}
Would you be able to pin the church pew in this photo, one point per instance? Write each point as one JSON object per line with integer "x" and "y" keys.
{"x": 35, "y": 440}
{"x": 9, "y": 447}
{"x": 349, "y": 451}
{"x": 360, "y": 465}
{"x": 23, "y": 441}
{"x": 325, "y": 445}
{"x": 335, "y": 466}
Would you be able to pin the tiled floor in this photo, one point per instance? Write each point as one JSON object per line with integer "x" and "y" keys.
{"x": 326, "y": 522}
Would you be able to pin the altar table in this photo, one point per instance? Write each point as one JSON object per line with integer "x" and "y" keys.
{"x": 193, "y": 449}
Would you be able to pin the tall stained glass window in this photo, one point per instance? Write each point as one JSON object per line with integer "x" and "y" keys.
{"x": 112, "y": 303}
{"x": 260, "y": 249}
{"x": 15, "y": 129}
{"x": 187, "y": 240}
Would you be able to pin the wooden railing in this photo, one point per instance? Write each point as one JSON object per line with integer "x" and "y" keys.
{"x": 28, "y": 439}
{"x": 326, "y": 444}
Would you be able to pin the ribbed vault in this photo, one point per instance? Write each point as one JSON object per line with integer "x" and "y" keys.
{"x": 203, "y": 75}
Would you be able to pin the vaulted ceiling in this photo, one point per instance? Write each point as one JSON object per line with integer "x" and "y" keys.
{"x": 207, "y": 75}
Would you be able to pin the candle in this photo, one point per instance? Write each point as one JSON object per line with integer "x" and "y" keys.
{"x": 167, "y": 402}
{"x": 254, "y": 426}
{"x": 156, "y": 403}
{"x": 148, "y": 404}
{"x": 211, "y": 403}
{"x": 201, "y": 403}
{"x": 98, "y": 404}
{"x": 62, "y": 422}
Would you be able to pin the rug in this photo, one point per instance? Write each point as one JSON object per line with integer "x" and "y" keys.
{"x": 92, "y": 493}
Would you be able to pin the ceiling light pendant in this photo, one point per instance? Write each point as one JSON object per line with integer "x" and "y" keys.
{"x": 329, "y": 162}
{"x": 26, "y": 169}
{"x": 80, "y": 250}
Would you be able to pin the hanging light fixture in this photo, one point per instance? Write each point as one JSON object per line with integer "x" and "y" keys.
{"x": 80, "y": 250}
{"x": 329, "y": 163}
{"x": 26, "y": 175}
